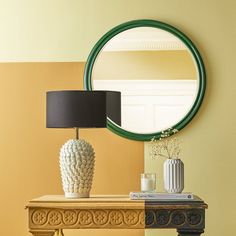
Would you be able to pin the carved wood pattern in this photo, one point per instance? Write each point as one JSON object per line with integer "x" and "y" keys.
{"x": 174, "y": 218}
{"x": 110, "y": 218}
{"x": 50, "y": 214}
{"x": 113, "y": 218}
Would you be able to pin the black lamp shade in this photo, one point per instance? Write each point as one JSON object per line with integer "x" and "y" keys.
{"x": 82, "y": 109}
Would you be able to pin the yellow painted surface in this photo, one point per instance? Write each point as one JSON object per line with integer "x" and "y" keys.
{"x": 141, "y": 65}
{"x": 66, "y": 30}
{"x": 44, "y": 30}
{"x": 29, "y": 165}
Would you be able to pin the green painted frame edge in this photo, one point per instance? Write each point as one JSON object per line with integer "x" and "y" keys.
{"x": 160, "y": 25}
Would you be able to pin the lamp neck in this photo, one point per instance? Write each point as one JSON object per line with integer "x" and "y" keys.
{"x": 77, "y": 133}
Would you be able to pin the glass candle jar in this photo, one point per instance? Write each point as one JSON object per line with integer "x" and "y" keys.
{"x": 148, "y": 182}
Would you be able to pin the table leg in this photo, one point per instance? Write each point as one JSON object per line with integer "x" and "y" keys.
{"x": 59, "y": 232}
{"x": 42, "y": 232}
{"x": 189, "y": 232}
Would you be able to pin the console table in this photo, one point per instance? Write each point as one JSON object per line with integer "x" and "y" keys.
{"x": 53, "y": 213}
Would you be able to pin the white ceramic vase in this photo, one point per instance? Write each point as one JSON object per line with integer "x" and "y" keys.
{"x": 173, "y": 175}
{"x": 77, "y": 166}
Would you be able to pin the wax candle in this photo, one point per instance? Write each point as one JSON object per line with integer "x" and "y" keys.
{"x": 148, "y": 182}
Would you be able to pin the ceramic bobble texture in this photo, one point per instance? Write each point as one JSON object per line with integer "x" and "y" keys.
{"x": 173, "y": 175}
{"x": 77, "y": 166}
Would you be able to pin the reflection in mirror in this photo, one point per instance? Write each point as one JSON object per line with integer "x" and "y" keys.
{"x": 156, "y": 74}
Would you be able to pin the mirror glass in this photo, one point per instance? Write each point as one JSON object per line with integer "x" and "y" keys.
{"x": 157, "y": 72}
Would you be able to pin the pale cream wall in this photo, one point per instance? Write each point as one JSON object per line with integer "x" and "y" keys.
{"x": 209, "y": 140}
{"x": 42, "y": 30}
{"x": 169, "y": 64}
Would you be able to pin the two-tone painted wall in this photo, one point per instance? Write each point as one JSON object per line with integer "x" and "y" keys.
{"x": 65, "y": 31}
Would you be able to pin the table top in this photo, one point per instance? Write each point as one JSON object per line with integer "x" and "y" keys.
{"x": 112, "y": 201}
{"x": 52, "y": 212}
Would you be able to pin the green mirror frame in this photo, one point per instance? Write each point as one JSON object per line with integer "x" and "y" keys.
{"x": 160, "y": 25}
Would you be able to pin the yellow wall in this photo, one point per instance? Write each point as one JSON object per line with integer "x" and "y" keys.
{"x": 44, "y": 30}
{"x": 145, "y": 65}
{"x": 29, "y": 164}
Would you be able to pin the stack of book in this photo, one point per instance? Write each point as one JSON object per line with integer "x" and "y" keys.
{"x": 161, "y": 196}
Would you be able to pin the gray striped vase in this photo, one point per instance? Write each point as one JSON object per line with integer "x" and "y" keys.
{"x": 173, "y": 175}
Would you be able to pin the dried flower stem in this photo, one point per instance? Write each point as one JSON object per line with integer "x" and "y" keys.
{"x": 166, "y": 146}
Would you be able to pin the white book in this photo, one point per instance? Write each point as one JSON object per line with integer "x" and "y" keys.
{"x": 160, "y": 196}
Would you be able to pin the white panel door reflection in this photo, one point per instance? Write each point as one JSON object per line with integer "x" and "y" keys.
{"x": 149, "y": 106}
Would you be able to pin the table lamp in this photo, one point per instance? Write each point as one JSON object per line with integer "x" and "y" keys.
{"x": 80, "y": 109}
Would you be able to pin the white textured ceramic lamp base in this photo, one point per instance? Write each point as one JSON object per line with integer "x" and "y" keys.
{"x": 77, "y": 167}
{"x": 173, "y": 175}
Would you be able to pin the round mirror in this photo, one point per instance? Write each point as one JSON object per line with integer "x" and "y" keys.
{"x": 159, "y": 72}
